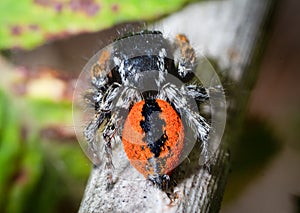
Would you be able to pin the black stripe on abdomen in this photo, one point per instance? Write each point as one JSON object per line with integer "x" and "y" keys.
{"x": 153, "y": 126}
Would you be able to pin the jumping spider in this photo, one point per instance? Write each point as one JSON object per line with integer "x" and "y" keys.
{"x": 149, "y": 122}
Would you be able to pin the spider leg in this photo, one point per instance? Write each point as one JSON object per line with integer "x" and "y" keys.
{"x": 90, "y": 135}
{"x": 98, "y": 97}
{"x": 92, "y": 98}
{"x": 100, "y": 70}
{"x": 187, "y": 56}
{"x": 109, "y": 96}
{"x": 197, "y": 92}
{"x": 108, "y": 135}
{"x": 197, "y": 123}
{"x": 127, "y": 97}
{"x": 102, "y": 112}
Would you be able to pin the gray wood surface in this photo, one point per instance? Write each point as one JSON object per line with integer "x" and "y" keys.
{"x": 227, "y": 31}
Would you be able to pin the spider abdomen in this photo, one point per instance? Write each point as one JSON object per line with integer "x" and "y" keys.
{"x": 153, "y": 136}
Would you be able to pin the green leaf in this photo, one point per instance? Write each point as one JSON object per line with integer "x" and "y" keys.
{"x": 28, "y": 23}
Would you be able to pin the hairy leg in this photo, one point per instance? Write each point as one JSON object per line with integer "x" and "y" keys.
{"x": 103, "y": 107}
{"x": 195, "y": 91}
{"x": 198, "y": 123}
{"x": 90, "y": 135}
{"x": 187, "y": 56}
{"x": 126, "y": 99}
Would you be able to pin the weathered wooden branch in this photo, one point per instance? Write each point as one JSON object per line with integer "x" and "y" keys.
{"x": 227, "y": 31}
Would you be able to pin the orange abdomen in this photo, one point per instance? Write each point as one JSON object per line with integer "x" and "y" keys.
{"x": 153, "y": 137}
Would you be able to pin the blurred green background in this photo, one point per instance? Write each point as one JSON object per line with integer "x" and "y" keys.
{"x": 42, "y": 167}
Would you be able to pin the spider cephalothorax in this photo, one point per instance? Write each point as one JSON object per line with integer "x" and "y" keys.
{"x": 152, "y": 115}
